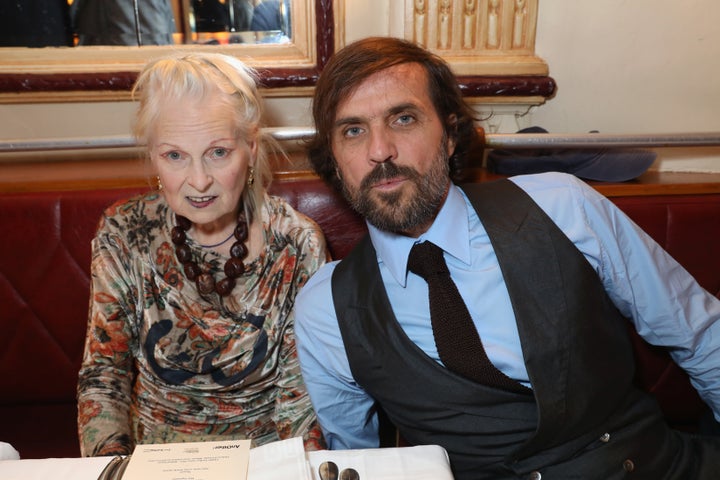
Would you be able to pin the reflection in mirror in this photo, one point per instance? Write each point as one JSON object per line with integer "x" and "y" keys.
{"x": 107, "y": 72}
{"x": 35, "y": 23}
{"x": 244, "y": 21}
{"x": 122, "y": 22}
{"x": 43, "y": 23}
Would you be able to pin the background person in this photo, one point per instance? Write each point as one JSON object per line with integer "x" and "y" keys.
{"x": 215, "y": 16}
{"x": 547, "y": 270}
{"x": 272, "y": 15}
{"x": 190, "y": 332}
{"x": 35, "y": 23}
{"x": 112, "y": 22}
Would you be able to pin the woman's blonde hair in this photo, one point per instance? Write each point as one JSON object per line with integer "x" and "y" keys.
{"x": 193, "y": 76}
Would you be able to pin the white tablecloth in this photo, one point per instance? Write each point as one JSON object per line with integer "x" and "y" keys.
{"x": 53, "y": 468}
{"x": 276, "y": 461}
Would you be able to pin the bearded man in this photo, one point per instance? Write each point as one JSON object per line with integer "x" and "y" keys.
{"x": 490, "y": 318}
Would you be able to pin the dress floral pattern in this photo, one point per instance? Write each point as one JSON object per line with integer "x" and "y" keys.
{"x": 164, "y": 363}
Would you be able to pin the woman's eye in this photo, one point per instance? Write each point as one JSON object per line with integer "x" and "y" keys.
{"x": 173, "y": 155}
{"x": 219, "y": 152}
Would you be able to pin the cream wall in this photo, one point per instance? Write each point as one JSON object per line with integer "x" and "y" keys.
{"x": 641, "y": 66}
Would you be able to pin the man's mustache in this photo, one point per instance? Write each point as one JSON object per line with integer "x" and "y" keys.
{"x": 385, "y": 171}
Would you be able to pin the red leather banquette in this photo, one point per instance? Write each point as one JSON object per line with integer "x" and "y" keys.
{"x": 44, "y": 264}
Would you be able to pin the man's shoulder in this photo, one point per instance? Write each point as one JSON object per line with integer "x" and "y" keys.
{"x": 547, "y": 180}
{"x": 318, "y": 288}
{"x": 535, "y": 184}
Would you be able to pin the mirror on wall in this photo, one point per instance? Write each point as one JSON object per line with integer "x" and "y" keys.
{"x": 102, "y": 64}
{"x": 288, "y": 55}
{"x": 76, "y": 23}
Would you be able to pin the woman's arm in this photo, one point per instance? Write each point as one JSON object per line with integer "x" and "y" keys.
{"x": 294, "y": 415}
{"x": 106, "y": 374}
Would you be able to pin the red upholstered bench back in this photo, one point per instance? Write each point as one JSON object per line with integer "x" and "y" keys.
{"x": 44, "y": 289}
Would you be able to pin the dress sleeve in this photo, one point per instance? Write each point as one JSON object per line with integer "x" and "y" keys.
{"x": 106, "y": 374}
{"x": 294, "y": 414}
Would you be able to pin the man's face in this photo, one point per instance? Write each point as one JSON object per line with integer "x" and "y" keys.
{"x": 391, "y": 150}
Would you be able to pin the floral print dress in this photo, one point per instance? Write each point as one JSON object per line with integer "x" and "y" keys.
{"x": 164, "y": 363}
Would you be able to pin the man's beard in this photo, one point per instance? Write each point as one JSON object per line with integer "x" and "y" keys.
{"x": 402, "y": 210}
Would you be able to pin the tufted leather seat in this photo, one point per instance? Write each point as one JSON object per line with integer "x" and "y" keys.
{"x": 44, "y": 289}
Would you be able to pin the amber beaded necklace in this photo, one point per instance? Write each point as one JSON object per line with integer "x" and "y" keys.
{"x": 234, "y": 267}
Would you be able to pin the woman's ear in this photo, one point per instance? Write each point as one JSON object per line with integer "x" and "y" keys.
{"x": 253, "y": 146}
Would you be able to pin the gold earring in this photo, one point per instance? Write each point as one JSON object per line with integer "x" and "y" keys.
{"x": 159, "y": 183}
{"x": 251, "y": 176}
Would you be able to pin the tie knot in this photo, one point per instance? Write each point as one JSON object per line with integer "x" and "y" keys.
{"x": 426, "y": 259}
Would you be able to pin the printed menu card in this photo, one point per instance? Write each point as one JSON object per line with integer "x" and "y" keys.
{"x": 225, "y": 460}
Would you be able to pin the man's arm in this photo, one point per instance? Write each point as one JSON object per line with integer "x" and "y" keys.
{"x": 664, "y": 302}
{"x": 345, "y": 411}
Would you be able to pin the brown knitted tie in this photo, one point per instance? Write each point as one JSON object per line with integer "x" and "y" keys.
{"x": 456, "y": 337}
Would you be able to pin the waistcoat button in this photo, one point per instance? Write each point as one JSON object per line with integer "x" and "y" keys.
{"x": 535, "y": 476}
{"x": 605, "y": 437}
{"x": 628, "y": 465}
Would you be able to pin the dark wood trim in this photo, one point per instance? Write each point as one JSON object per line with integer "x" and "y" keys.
{"x": 650, "y": 183}
{"x": 519, "y": 86}
{"x": 507, "y": 86}
{"x": 131, "y": 172}
{"x": 66, "y": 82}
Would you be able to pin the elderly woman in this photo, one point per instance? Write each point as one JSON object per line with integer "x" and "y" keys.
{"x": 190, "y": 332}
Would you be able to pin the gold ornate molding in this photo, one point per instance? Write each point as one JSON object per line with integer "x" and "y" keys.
{"x": 478, "y": 37}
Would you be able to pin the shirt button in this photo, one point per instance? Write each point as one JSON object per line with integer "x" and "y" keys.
{"x": 628, "y": 465}
{"x": 605, "y": 437}
{"x": 535, "y": 476}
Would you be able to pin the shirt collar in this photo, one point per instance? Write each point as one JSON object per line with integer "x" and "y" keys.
{"x": 449, "y": 231}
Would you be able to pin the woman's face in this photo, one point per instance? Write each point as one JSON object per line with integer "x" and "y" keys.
{"x": 201, "y": 162}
